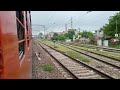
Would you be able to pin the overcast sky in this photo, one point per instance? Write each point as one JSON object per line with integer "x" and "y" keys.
{"x": 56, "y": 20}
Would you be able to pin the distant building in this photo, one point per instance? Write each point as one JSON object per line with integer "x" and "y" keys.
{"x": 99, "y": 38}
{"x": 99, "y": 33}
{"x": 84, "y": 40}
{"x": 50, "y": 34}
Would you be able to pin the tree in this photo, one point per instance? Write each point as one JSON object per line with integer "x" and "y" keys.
{"x": 71, "y": 33}
{"x": 110, "y": 28}
{"x": 41, "y": 35}
{"x": 66, "y": 35}
{"x": 61, "y": 37}
{"x": 86, "y": 34}
{"x": 54, "y": 36}
{"x": 76, "y": 36}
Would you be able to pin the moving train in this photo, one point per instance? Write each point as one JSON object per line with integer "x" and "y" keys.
{"x": 15, "y": 44}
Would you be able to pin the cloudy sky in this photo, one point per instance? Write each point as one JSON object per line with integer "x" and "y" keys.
{"x": 56, "y": 20}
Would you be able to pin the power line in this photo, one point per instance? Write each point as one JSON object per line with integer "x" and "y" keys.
{"x": 91, "y": 20}
{"x": 51, "y": 17}
{"x": 88, "y": 21}
{"x": 40, "y": 26}
{"x": 72, "y": 20}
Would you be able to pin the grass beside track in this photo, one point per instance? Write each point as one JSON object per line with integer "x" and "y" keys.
{"x": 69, "y": 52}
{"x": 47, "y": 67}
{"x": 112, "y": 54}
{"x": 109, "y": 54}
{"x": 105, "y": 53}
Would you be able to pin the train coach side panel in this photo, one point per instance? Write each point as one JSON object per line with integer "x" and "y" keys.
{"x": 9, "y": 43}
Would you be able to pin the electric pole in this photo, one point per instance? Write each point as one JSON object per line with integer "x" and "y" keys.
{"x": 116, "y": 28}
{"x": 71, "y": 23}
{"x": 44, "y": 31}
{"x": 79, "y": 30}
{"x": 65, "y": 27}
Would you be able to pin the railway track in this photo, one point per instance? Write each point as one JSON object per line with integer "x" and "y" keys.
{"x": 104, "y": 59}
{"x": 104, "y": 48}
{"x": 78, "y": 69}
{"x": 113, "y": 58}
{"x": 109, "y": 66}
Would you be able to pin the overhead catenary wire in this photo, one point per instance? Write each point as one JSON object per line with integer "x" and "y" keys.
{"x": 89, "y": 21}
{"x": 67, "y": 20}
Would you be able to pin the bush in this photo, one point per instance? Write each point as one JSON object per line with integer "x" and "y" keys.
{"x": 47, "y": 67}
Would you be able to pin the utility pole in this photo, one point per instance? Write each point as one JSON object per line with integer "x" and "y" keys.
{"x": 116, "y": 35}
{"x": 44, "y": 31}
{"x": 116, "y": 28}
{"x": 71, "y": 23}
{"x": 79, "y": 30}
{"x": 65, "y": 27}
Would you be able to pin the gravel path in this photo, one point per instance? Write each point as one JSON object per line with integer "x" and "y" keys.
{"x": 44, "y": 58}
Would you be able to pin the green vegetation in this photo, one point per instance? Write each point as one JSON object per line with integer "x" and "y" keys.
{"x": 55, "y": 35}
{"x": 86, "y": 34}
{"x": 68, "y": 51}
{"x": 63, "y": 37}
{"x": 60, "y": 37}
{"x": 61, "y": 48}
{"x": 110, "y": 28}
{"x": 47, "y": 67}
{"x": 105, "y": 53}
{"x": 75, "y": 55}
{"x": 70, "y": 34}
{"x": 115, "y": 46}
{"x": 40, "y": 35}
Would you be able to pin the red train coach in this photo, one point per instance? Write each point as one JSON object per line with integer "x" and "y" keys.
{"x": 15, "y": 44}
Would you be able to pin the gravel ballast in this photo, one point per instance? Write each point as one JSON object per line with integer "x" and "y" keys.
{"x": 42, "y": 58}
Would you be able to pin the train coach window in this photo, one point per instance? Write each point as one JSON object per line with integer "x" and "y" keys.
{"x": 19, "y": 15}
{"x": 20, "y": 33}
{"x": 21, "y": 50}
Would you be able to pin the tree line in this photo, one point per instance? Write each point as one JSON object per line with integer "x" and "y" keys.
{"x": 70, "y": 34}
